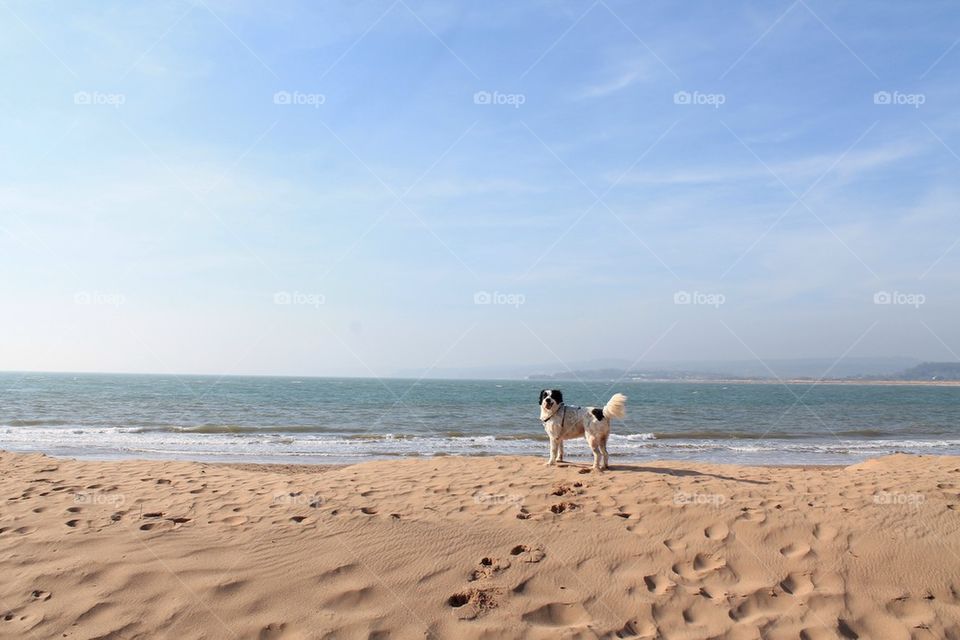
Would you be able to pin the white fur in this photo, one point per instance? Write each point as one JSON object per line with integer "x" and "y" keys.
{"x": 563, "y": 422}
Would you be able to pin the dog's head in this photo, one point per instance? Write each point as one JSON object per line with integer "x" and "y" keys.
{"x": 550, "y": 399}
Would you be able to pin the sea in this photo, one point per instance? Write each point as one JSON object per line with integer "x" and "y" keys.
{"x": 347, "y": 420}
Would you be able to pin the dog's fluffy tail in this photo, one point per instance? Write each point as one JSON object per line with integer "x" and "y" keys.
{"x": 616, "y": 407}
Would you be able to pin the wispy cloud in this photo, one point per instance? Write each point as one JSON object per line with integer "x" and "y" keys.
{"x": 793, "y": 171}
{"x": 613, "y": 85}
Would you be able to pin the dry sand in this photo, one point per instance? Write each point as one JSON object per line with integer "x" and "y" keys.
{"x": 497, "y": 547}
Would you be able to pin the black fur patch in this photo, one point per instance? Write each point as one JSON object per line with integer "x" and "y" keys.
{"x": 543, "y": 394}
{"x": 557, "y": 395}
{"x": 597, "y": 413}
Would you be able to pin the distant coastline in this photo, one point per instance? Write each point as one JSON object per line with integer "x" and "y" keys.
{"x": 803, "y": 381}
{"x": 789, "y": 381}
{"x": 944, "y": 374}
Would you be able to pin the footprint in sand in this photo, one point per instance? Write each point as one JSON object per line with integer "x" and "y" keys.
{"x": 676, "y": 546}
{"x": 557, "y": 614}
{"x": 752, "y": 515}
{"x": 370, "y": 511}
{"x": 474, "y": 602}
{"x": 795, "y": 550}
{"x": 825, "y": 532}
{"x": 525, "y": 553}
{"x": 762, "y": 604}
{"x": 797, "y": 584}
{"x": 234, "y": 521}
{"x": 564, "y": 506}
{"x": 561, "y": 490}
{"x": 39, "y": 594}
{"x": 273, "y": 630}
{"x": 718, "y": 531}
{"x": 658, "y": 584}
{"x": 703, "y": 563}
{"x": 915, "y": 613}
{"x": 487, "y": 568}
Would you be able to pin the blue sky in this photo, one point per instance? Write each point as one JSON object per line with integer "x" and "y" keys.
{"x": 325, "y": 188}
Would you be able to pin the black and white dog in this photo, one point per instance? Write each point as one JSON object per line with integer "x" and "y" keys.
{"x": 563, "y": 422}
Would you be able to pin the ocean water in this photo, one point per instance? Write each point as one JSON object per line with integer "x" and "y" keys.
{"x": 329, "y": 420}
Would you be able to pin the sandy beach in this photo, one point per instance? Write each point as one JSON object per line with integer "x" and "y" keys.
{"x": 496, "y": 547}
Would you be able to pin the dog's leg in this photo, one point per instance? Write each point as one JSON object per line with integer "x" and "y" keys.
{"x": 603, "y": 448}
{"x": 553, "y": 451}
{"x": 594, "y": 443}
{"x": 560, "y": 451}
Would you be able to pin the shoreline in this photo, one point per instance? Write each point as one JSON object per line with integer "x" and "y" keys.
{"x": 320, "y": 467}
{"x": 478, "y": 547}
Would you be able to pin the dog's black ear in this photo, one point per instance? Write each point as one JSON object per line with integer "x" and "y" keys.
{"x": 558, "y": 395}
{"x": 543, "y": 394}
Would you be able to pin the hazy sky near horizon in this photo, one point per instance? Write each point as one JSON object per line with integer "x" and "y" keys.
{"x": 353, "y": 188}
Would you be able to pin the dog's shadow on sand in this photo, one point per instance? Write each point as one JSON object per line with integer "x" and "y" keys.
{"x": 667, "y": 471}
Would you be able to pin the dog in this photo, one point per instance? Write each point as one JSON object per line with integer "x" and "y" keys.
{"x": 563, "y": 422}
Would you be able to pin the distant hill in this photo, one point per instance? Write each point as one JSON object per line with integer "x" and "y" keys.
{"x": 812, "y": 368}
{"x": 645, "y": 374}
{"x": 769, "y": 369}
{"x": 932, "y": 371}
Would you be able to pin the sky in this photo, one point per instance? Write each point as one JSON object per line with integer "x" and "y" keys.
{"x": 357, "y": 188}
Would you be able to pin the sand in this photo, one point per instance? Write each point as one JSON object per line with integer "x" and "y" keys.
{"x": 499, "y": 547}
